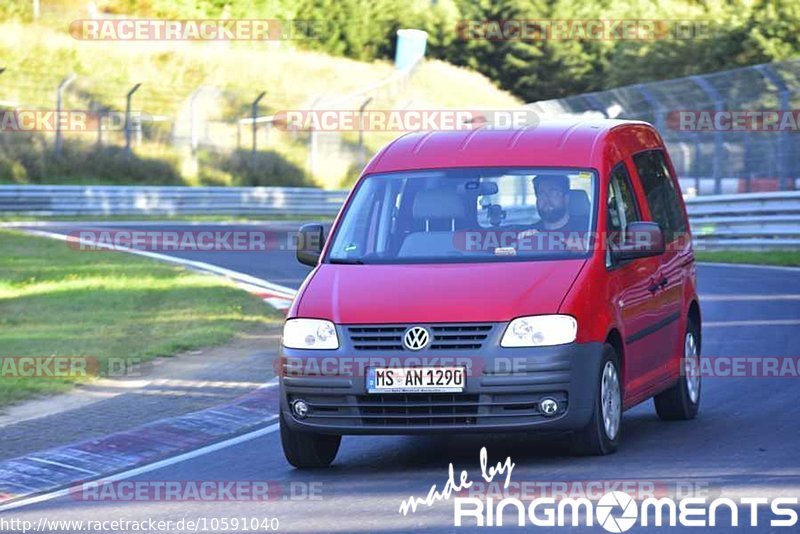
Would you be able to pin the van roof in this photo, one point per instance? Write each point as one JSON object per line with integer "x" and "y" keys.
{"x": 551, "y": 143}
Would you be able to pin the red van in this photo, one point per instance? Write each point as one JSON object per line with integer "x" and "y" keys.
{"x": 496, "y": 280}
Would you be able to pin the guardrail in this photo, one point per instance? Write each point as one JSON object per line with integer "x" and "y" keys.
{"x": 748, "y": 220}
{"x": 71, "y": 200}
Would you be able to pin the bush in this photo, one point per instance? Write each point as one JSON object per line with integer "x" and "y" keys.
{"x": 271, "y": 169}
{"x": 29, "y": 158}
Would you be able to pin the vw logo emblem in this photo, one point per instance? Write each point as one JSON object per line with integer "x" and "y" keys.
{"x": 416, "y": 338}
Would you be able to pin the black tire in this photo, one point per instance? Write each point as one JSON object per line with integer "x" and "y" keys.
{"x": 676, "y": 403}
{"x": 593, "y": 440}
{"x": 307, "y": 449}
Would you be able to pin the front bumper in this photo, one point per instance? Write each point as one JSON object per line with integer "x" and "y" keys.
{"x": 502, "y": 391}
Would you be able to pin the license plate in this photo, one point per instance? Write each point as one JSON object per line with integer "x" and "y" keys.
{"x": 416, "y": 379}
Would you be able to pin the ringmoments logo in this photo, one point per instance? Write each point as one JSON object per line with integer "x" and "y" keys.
{"x": 615, "y": 511}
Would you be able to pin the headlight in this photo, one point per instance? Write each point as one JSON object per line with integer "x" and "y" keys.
{"x": 540, "y": 331}
{"x": 309, "y": 334}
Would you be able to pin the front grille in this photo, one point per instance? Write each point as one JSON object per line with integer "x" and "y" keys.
{"x": 445, "y": 336}
{"x": 468, "y": 336}
{"x": 451, "y": 409}
{"x": 418, "y": 409}
{"x": 376, "y": 337}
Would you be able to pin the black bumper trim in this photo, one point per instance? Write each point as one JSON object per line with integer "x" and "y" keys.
{"x": 653, "y": 328}
{"x": 489, "y": 402}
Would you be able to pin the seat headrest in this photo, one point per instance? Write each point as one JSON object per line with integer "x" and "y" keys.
{"x": 579, "y": 204}
{"x": 438, "y": 204}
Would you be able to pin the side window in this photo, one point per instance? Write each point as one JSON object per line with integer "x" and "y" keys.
{"x": 659, "y": 188}
{"x": 622, "y": 208}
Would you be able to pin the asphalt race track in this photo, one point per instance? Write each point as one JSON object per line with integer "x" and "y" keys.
{"x": 744, "y": 443}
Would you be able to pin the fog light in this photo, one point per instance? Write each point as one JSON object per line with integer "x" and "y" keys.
{"x": 548, "y": 407}
{"x": 300, "y": 408}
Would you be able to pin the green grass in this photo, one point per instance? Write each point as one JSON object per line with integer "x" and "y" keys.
{"x": 55, "y": 301}
{"x": 772, "y": 257}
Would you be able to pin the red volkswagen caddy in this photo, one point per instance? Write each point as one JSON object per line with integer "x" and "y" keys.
{"x": 496, "y": 280}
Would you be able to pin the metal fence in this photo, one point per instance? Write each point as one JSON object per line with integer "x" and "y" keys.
{"x": 754, "y": 220}
{"x": 181, "y": 120}
{"x": 46, "y": 201}
{"x": 716, "y": 157}
{"x": 710, "y": 160}
{"x": 748, "y": 220}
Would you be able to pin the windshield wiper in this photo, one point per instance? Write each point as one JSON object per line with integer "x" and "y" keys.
{"x": 346, "y": 261}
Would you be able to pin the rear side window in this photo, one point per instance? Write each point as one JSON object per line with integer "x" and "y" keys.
{"x": 659, "y": 188}
{"x": 621, "y": 206}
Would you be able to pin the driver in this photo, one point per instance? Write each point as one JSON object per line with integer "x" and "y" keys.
{"x": 555, "y": 220}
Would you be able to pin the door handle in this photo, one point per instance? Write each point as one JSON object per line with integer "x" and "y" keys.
{"x": 655, "y": 286}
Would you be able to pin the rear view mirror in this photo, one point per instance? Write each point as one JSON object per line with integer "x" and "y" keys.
{"x": 489, "y": 188}
{"x": 481, "y": 188}
{"x": 642, "y": 240}
{"x": 310, "y": 241}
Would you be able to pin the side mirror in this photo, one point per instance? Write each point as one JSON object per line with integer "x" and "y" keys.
{"x": 310, "y": 241}
{"x": 642, "y": 240}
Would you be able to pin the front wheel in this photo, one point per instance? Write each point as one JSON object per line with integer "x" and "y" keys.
{"x": 682, "y": 401}
{"x": 601, "y": 435}
{"x": 306, "y": 449}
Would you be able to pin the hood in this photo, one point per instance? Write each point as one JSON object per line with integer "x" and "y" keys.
{"x": 464, "y": 292}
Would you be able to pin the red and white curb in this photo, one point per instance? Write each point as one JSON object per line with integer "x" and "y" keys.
{"x": 59, "y": 472}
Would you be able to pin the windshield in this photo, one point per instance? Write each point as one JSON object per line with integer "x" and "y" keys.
{"x": 461, "y": 215}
